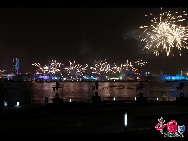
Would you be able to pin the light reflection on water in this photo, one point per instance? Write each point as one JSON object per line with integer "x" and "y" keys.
{"x": 106, "y": 89}
{"x": 18, "y": 91}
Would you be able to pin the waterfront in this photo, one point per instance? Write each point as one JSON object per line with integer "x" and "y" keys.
{"x": 86, "y": 117}
{"x": 82, "y": 91}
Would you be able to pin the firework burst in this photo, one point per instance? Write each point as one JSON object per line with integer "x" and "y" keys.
{"x": 165, "y": 33}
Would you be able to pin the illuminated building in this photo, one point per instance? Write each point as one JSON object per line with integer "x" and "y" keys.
{"x": 44, "y": 77}
{"x": 172, "y": 78}
{"x": 15, "y": 67}
{"x": 8, "y": 76}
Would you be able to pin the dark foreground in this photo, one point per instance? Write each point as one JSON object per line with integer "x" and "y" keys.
{"x": 85, "y": 117}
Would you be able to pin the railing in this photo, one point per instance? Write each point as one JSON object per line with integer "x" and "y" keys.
{"x": 73, "y": 99}
{"x": 157, "y": 99}
{"x": 36, "y": 101}
{"x": 120, "y": 99}
{"x": 149, "y": 99}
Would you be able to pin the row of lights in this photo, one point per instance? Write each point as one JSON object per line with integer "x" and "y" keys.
{"x": 134, "y": 98}
{"x": 6, "y": 103}
{"x": 70, "y": 100}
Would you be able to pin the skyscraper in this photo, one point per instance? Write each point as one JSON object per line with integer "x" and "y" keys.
{"x": 15, "y": 67}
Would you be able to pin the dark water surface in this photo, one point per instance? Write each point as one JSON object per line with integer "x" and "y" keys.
{"x": 76, "y": 91}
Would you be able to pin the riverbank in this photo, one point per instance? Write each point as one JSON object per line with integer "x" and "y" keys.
{"x": 85, "y": 117}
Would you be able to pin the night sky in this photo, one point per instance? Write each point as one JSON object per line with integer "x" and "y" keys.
{"x": 79, "y": 34}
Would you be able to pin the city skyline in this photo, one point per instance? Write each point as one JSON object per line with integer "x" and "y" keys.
{"x": 100, "y": 70}
{"x": 80, "y": 34}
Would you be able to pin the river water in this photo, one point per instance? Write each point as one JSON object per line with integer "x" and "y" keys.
{"x": 82, "y": 91}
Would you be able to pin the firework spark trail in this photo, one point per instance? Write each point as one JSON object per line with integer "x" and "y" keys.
{"x": 165, "y": 32}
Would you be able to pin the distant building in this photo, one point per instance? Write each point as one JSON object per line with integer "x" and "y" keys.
{"x": 8, "y": 76}
{"x": 22, "y": 77}
{"x": 44, "y": 77}
{"x": 177, "y": 77}
{"x": 1, "y": 73}
{"x": 15, "y": 67}
{"x": 17, "y": 77}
